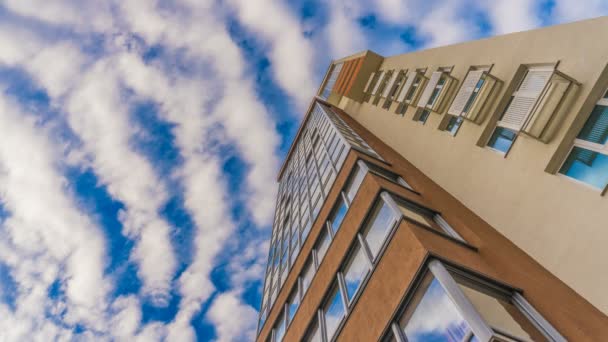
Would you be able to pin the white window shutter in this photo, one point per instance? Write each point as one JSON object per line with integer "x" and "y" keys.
{"x": 406, "y": 87}
{"x": 390, "y": 84}
{"x": 369, "y": 82}
{"x": 378, "y": 82}
{"x": 428, "y": 91}
{"x": 465, "y": 92}
{"x": 524, "y": 98}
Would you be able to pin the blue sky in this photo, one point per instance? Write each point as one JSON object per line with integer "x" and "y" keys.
{"x": 141, "y": 140}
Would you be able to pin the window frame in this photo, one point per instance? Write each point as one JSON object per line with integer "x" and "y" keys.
{"x": 447, "y": 230}
{"x": 590, "y": 146}
{"x": 446, "y": 275}
{"x": 522, "y": 128}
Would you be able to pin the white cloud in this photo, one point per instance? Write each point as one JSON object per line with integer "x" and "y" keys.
{"x": 80, "y": 15}
{"x": 45, "y": 238}
{"x": 99, "y": 116}
{"x": 508, "y": 16}
{"x": 233, "y": 320}
{"x": 443, "y": 25}
{"x": 291, "y": 54}
{"x": 571, "y": 10}
{"x": 343, "y": 32}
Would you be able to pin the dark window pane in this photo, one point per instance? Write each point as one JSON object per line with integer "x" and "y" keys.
{"x": 424, "y": 115}
{"x": 454, "y": 124}
{"x": 280, "y": 328}
{"x": 596, "y": 127}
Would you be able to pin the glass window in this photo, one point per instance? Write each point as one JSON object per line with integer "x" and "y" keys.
{"x": 337, "y": 214}
{"x": 306, "y": 230}
{"x": 393, "y": 177}
{"x": 412, "y": 91}
{"x": 378, "y": 226}
{"x": 322, "y": 245}
{"x": 502, "y": 316}
{"x": 454, "y": 307}
{"x": 502, "y": 139}
{"x": 471, "y": 99}
{"x": 280, "y": 327}
{"x": 431, "y": 315}
{"x": 355, "y": 270}
{"x": 307, "y": 273}
{"x": 292, "y": 303}
{"x": 331, "y": 81}
{"x": 317, "y": 207}
{"x": 424, "y": 115}
{"x": 329, "y": 182}
{"x": 436, "y": 92}
{"x": 333, "y": 312}
{"x": 420, "y": 215}
{"x": 263, "y": 313}
{"x": 587, "y": 166}
{"x": 314, "y": 333}
{"x": 596, "y": 127}
{"x": 335, "y": 156}
{"x": 588, "y": 160}
{"x": 356, "y": 178}
{"x": 454, "y": 124}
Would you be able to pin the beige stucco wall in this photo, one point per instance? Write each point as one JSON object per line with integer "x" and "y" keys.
{"x": 561, "y": 224}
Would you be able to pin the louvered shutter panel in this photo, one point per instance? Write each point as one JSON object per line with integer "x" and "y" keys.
{"x": 406, "y": 87}
{"x": 599, "y": 131}
{"x": 390, "y": 84}
{"x": 465, "y": 93}
{"x": 525, "y": 98}
{"x": 379, "y": 82}
{"x": 426, "y": 95}
{"x": 369, "y": 82}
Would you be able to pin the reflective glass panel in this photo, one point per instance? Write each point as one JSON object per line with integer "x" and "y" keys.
{"x": 587, "y": 166}
{"x": 307, "y": 274}
{"x": 280, "y": 327}
{"x": 431, "y": 316}
{"x": 337, "y": 214}
{"x": 501, "y": 315}
{"x": 454, "y": 124}
{"x": 333, "y": 312}
{"x": 502, "y": 139}
{"x": 314, "y": 333}
{"x": 355, "y": 270}
{"x": 354, "y": 182}
{"x": 378, "y": 227}
{"x": 322, "y": 245}
{"x": 292, "y": 304}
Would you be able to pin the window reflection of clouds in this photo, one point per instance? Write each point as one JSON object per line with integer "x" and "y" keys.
{"x": 378, "y": 227}
{"x": 355, "y": 271}
{"x": 334, "y": 313}
{"x": 435, "y": 318}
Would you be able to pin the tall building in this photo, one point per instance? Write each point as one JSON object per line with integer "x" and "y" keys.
{"x": 449, "y": 194}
